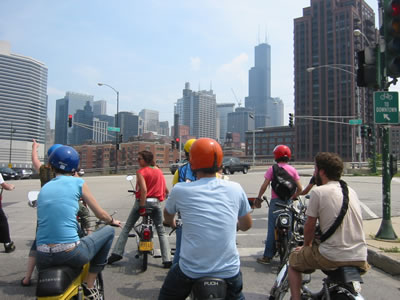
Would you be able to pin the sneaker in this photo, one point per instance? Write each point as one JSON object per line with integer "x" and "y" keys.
{"x": 167, "y": 264}
{"x": 90, "y": 293}
{"x": 113, "y": 258}
{"x": 9, "y": 247}
{"x": 264, "y": 260}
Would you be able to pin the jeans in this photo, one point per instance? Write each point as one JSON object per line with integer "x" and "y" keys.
{"x": 178, "y": 234}
{"x": 93, "y": 248}
{"x": 177, "y": 286}
{"x": 270, "y": 248}
{"x": 157, "y": 217}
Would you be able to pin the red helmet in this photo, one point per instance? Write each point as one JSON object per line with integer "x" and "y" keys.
{"x": 282, "y": 151}
{"x": 206, "y": 153}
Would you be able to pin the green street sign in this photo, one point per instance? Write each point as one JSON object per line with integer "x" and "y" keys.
{"x": 116, "y": 129}
{"x": 386, "y": 107}
{"x": 355, "y": 122}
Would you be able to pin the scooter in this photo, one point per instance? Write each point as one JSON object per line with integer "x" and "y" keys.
{"x": 143, "y": 232}
{"x": 63, "y": 282}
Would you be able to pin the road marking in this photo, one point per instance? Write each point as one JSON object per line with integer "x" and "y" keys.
{"x": 251, "y": 251}
{"x": 368, "y": 211}
{"x": 396, "y": 180}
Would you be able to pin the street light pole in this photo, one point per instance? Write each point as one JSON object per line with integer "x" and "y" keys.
{"x": 116, "y": 125}
{"x": 341, "y": 67}
{"x": 12, "y": 130}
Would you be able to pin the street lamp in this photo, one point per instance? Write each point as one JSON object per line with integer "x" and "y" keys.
{"x": 341, "y": 67}
{"x": 358, "y": 32}
{"x": 116, "y": 125}
{"x": 251, "y": 116}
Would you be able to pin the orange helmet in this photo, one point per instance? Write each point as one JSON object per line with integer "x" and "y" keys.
{"x": 206, "y": 153}
{"x": 282, "y": 151}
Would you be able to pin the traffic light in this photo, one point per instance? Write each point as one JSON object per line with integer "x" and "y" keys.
{"x": 367, "y": 75}
{"x": 290, "y": 120}
{"x": 177, "y": 143}
{"x": 364, "y": 130}
{"x": 172, "y": 145}
{"x": 120, "y": 138}
{"x": 391, "y": 27}
{"x": 69, "y": 120}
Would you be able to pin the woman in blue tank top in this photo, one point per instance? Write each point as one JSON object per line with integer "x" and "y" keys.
{"x": 58, "y": 242}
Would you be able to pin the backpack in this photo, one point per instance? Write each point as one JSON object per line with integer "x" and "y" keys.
{"x": 282, "y": 183}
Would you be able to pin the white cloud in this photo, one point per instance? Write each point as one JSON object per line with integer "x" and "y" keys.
{"x": 195, "y": 63}
{"x": 237, "y": 68}
{"x": 88, "y": 73}
{"x": 55, "y": 92}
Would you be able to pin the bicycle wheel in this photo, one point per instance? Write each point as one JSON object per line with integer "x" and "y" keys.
{"x": 144, "y": 262}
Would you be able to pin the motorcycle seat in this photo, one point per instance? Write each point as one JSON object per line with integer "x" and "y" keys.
{"x": 345, "y": 274}
{"x": 209, "y": 288}
{"x": 55, "y": 280}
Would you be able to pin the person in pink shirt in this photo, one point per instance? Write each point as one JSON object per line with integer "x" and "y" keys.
{"x": 282, "y": 155}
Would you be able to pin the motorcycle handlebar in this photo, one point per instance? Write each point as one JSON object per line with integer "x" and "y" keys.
{"x": 131, "y": 191}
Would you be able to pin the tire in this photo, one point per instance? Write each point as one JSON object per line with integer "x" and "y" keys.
{"x": 144, "y": 262}
{"x": 99, "y": 284}
{"x": 278, "y": 292}
{"x": 227, "y": 171}
{"x": 340, "y": 296}
{"x": 245, "y": 170}
{"x": 283, "y": 249}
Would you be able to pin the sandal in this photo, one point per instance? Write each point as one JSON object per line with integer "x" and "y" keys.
{"x": 25, "y": 284}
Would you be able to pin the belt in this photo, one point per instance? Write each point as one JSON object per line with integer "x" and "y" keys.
{"x": 57, "y": 247}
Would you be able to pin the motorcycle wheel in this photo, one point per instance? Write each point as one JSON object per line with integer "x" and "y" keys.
{"x": 99, "y": 283}
{"x": 283, "y": 249}
{"x": 340, "y": 296}
{"x": 144, "y": 262}
{"x": 279, "y": 291}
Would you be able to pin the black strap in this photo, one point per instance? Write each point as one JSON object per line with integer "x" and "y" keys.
{"x": 343, "y": 210}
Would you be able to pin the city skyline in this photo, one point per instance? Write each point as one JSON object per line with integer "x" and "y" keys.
{"x": 146, "y": 53}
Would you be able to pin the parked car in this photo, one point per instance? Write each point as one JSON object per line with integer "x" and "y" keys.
{"x": 24, "y": 173}
{"x": 231, "y": 165}
{"x": 173, "y": 167}
{"x": 8, "y": 173}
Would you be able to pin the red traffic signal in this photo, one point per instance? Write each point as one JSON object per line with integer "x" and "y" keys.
{"x": 177, "y": 140}
{"x": 392, "y": 37}
{"x": 69, "y": 120}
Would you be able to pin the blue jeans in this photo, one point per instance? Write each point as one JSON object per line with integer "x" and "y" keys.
{"x": 270, "y": 248}
{"x": 178, "y": 234}
{"x": 93, "y": 248}
{"x": 177, "y": 286}
{"x": 157, "y": 217}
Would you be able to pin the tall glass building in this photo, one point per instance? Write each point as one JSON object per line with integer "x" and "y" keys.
{"x": 23, "y": 102}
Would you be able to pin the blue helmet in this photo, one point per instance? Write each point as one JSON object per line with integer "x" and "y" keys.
{"x": 52, "y": 148}
{"x": 64, "y": 158}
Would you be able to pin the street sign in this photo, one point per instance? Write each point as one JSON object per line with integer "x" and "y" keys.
{"x": 10, "y": 165}
{"x": 355, "y": 122}
{"x": 116, "y": 129}
{"x": 386, "y": 107}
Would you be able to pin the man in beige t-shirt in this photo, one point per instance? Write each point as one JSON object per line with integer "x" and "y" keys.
{"x": 346, "y": 246}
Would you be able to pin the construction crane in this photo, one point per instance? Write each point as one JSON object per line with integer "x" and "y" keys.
{"x": 237, "y": 100}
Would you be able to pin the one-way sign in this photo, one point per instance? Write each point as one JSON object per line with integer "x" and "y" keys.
{"x": 386, "y": 107}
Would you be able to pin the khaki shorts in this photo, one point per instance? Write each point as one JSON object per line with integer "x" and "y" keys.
{"x": 308, "y": 259}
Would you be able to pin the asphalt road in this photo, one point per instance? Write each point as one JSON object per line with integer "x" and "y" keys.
{"x": 124, "y": 280}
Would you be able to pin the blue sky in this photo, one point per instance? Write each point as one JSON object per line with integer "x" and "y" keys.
{"x": 148, "y": 49}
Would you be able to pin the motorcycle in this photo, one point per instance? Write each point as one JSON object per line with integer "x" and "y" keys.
{"x": 64, "y": 282}
{"x": 343, "y": 283}
{"x": 288, "y": 228}
{"x": 144, "y": 232}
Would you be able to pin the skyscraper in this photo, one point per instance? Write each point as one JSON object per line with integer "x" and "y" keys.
{"x": 199, "y": 112}
{"x": 129, "y": 123}
{"x": 324, "y": 39}
{"x": 150, "y": 120}
{"x": 260, "y": 85}
{"x": 223, "y": 110}
{"x": 68, "y": 106}
{"x": 99, "y": 107}
{"x": 82, "y": 131}
{"x": 23, "y": 102}
{"x": 241, "y": 121}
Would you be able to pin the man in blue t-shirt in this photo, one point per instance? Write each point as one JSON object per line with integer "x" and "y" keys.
{"x": 212, "y": 210}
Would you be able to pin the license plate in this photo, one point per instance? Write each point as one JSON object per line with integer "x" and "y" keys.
{"x": 145, "y": 246}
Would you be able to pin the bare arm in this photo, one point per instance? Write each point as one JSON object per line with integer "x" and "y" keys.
{"x": 245, "y": 222}
{"x": 309, "y": 230}
{"x": 263, "y": 188}
{"x": 299, "y": 189}
{"x": 169, "y": 219}
{"x": 307, "y": 189}
{"x": 142, "y": 187}
{"x": 35, "y": 159}
{"x": 7, "y": 186}
{"x": 95, "y": 207}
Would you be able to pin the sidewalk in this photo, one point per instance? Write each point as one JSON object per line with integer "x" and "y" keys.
{"x": 378, "y": 254}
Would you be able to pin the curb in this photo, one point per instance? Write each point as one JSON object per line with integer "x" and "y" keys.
{"x": 383, "y": 262}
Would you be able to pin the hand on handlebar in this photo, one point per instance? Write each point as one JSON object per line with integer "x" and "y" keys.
{"x": 142, "y": 211}
{"x": 116, "y": 223}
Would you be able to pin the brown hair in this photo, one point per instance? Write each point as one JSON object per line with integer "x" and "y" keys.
{"x": 148, "y": 157}
{"x": 331, "y": 163}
